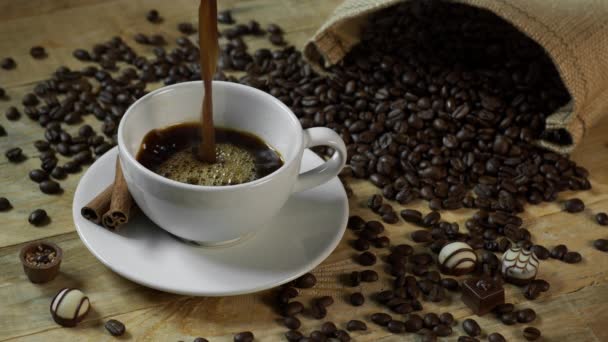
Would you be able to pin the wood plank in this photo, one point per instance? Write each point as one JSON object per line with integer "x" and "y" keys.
{"x": 573, "y": 310}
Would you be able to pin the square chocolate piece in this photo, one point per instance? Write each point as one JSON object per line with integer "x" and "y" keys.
{"x": 482, "y": 295}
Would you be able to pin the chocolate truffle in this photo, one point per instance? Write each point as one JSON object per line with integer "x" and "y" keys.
{"x": 482, "y": 295}
{"x": 519, "y": 266}
{"x": 457, "y": 258}
{"x": 69, "y": 307}
{"x": 41, "y": 261}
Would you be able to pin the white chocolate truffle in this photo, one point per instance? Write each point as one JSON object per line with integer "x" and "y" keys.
{"x": 519, "y": 266}
{"x": 457, "y": 258}
{"x": 69, "y": 307}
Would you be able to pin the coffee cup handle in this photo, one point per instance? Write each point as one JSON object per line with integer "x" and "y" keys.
{"x": 321, "y": 136}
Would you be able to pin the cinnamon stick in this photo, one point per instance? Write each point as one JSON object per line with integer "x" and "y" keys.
{"x": 120, "y": 203}
{"x": 98, "y": 206}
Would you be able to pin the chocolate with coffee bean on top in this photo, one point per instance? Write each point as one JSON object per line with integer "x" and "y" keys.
{"x": 482, "y": 295}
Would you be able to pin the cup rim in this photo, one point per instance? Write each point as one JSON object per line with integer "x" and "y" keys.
{"x": 123, "y": 152}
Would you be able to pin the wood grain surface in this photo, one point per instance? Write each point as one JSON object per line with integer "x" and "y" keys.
{"x": 575, "y": 308}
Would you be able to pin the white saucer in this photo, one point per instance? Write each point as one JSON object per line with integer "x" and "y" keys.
{"x": 305, "y": 232}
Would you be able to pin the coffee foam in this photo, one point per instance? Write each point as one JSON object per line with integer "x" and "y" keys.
{"x": 234, "y": 165}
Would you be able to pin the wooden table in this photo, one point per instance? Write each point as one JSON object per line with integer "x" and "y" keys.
{"x": 573, "y": 310}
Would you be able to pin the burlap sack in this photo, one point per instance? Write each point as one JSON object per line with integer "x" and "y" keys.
{"x": 573, "y": 32}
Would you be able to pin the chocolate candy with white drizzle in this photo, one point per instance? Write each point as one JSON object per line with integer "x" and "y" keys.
{"x": 457, "y": 258}
{"x": 69, "y": 307}
{"x": 519, "y": 266}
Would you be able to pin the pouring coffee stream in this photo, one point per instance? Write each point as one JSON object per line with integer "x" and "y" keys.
{"x": 209, "y": 50}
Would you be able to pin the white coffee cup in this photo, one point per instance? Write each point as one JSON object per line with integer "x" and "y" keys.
{"x": 213, "y": 215}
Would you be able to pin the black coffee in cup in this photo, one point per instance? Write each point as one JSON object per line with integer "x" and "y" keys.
{"x": 241, "y": 156}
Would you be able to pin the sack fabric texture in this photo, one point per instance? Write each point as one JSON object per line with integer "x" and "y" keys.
{"x": 573, "y": 32}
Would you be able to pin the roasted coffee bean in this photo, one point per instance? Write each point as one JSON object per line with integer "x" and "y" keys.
{"x": 115, "y": 328}
{"x": 526, "y": 315}
{"x": 276, "y": 39}
{"x": 2, "y": 93}
{"x": 83, "y": 157}
{"x": 157, "y": 39}
{"x": 532, "y": 291}
{"x": 431, "y": 320}
{"x": 411, "y": 215}
{"x": 442, "y": 330}
{"x": 293, "y": 308}
{"x": 504, "y": 308}
{"x": 446, "y": 318}
{"x": 5, "y": 204}
{"x": 601, "y": 245}
{"x": 328, "y": 328}
{"x": 574, "y": 205}
{"x": 30, "y": 100}
{"x": 81, "y": 54}
{"x": 355, "y": 222}
{"x": 390, "y": 217}
{"x": 374, "y": 202}
{"x": 361, "y": 244}
{"x": 245, "y": 336}
{"x": 375, "y": 227}
{"x": 381, "y": 318}
{"x": 508, "y": 318}
{"x": 602, "y": 219}
{"x": 396, "y": 327}
{"x": 450, "y": 284}
{"x": 543, "y": 285}
{"x": 471, "y": 327}
{"x": 58, "y": 173}
{"x": 200, "y": 339}
{"x": 292, "y": 323}
{"x": 403, "y": 249}
{"x": 356, "y": 325}
{"x": 38, "y": 217}
{"x": 531, "y": 333}
{"x": 431, "y": 219}
{"x": 225, "y": 17}
{"x": 325, "y": 301}
{"x": 496, "y": 337}
{"x": 318, "y": 311}
{"x": 293, "y": 335}
{"x": 572, "y": 257}
{"x": 71, "y": 167}
{"x": 357, "y": 299}
{"x": 306, "y": 281}
{"x": 141, "y": 38}
{"x": 414, "y": 323}
{"x": 186, "y": 28}
{"x": 367, "y": 259}
{"x": 42, "y": 145}
{"x": 12, "y": 114}
{"x": 342, "y": 336}
{"x": 38, "y": 175}
{"x": 48, "y": 164}
{"x": 8, "y": 63}
{"x": 14, "y": 155}
{"x": 50, "y": 187}
{"x": 421, "y": 236}
{"x": 559, "y": 251}
{"x": 467, "y": 339}
{"x": 2, "y": 131}
{"x": 369, "y": 276}
{"x": 38, "y": 52}
{"x": 153, "y": 16}
{"x": 355, "y": 278}
{"x": 541, "y": 252}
